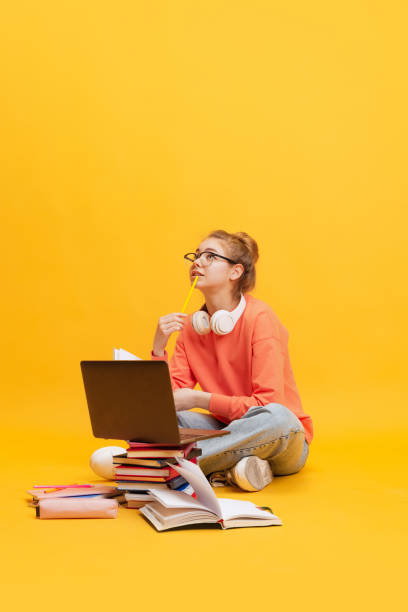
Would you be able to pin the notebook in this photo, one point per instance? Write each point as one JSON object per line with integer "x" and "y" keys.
{"x": 133, "y": 400}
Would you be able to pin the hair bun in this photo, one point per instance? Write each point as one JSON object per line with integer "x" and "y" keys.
{"x": 250, "y": 244}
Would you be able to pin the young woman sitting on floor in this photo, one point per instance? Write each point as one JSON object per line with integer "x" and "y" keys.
{"x": 236, "y": 349}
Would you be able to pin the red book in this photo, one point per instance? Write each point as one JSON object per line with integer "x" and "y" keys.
{"x": 139, "y": 478}
{"x": 147, "y": 445}
{"x": 119, "y": 478}
{"x": 131, "y": 470}
{"x": 158, "y": 451}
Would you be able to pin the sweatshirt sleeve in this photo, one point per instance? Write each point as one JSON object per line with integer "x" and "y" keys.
{"x": 164, "y": 357}
{"x": 180, "y": 371}
{"x": 267, "y": 373}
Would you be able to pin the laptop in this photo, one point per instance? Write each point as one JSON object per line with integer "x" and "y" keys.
{"x": 133, "y": 401}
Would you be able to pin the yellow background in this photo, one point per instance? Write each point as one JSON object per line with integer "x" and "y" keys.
{"x": 129, "y": 131}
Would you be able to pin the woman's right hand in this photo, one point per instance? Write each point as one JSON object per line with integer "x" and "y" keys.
{"x": 166, "y": 326}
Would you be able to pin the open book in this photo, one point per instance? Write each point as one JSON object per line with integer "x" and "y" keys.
{"x": 122, "y": 355}
{"x": 176, "y": 509}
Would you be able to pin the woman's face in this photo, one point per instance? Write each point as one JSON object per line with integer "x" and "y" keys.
{"x": 218, "y": 273}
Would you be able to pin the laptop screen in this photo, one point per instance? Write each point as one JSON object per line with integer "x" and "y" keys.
{"x": 131, "y": 400}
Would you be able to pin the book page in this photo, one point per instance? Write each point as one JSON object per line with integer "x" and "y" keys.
{"x": 167, "y": 519}
{"x": 247, "y": 522}
{"x": 195, "y": 476}
{"x": 177, "y": 499}
{"x": 122, "y": 355}
{"x": 235, "y": 508}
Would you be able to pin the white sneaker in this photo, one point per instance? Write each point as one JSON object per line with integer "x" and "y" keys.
{"x": 250, "y": 474}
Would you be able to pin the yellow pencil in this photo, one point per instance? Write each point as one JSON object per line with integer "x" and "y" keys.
{"x": 189, "y": 294}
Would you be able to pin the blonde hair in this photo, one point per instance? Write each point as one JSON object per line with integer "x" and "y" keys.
{"x": 244, "y": 250}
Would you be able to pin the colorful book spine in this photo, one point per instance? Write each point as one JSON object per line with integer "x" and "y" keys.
{"x": 146, "y": 477}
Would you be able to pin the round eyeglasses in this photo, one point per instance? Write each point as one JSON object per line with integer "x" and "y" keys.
{"x": 207, "y": 257}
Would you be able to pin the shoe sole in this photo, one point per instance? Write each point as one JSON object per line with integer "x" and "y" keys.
{"x": 252, "y": 473}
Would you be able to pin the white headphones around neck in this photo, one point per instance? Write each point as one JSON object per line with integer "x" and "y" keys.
{"x": 222, "y": 321}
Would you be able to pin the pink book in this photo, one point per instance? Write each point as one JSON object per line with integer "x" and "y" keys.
{"x": 97, "y": 489}
{"x": 77, "y": 507}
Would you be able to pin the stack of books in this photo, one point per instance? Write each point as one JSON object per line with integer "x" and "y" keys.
{"x": 145, "y": 467}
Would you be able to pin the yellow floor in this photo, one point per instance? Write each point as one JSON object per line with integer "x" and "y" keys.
{"x": 343, "y": 545}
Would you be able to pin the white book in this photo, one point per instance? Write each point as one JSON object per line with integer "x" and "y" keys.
{"x": 122, "y": 355}
{"x": 176, "y": 509}
{"x": 138, "y": 496}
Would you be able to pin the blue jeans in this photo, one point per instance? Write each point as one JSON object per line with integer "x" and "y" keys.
{"x": 271, "y": 432}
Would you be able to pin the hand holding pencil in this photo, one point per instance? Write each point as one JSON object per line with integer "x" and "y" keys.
{"x": 170, "y": 323}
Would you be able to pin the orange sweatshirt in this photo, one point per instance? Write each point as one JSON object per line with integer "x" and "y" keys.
{"x": 248, "y": 367}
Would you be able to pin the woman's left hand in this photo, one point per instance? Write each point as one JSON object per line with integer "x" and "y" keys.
{"x": 184, "y": 399}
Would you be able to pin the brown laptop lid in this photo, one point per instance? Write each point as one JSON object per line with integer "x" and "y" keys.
{"x": 133, "y": 400}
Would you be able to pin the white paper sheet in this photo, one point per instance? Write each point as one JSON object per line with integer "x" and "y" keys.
{"x": 122, "y": 355}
